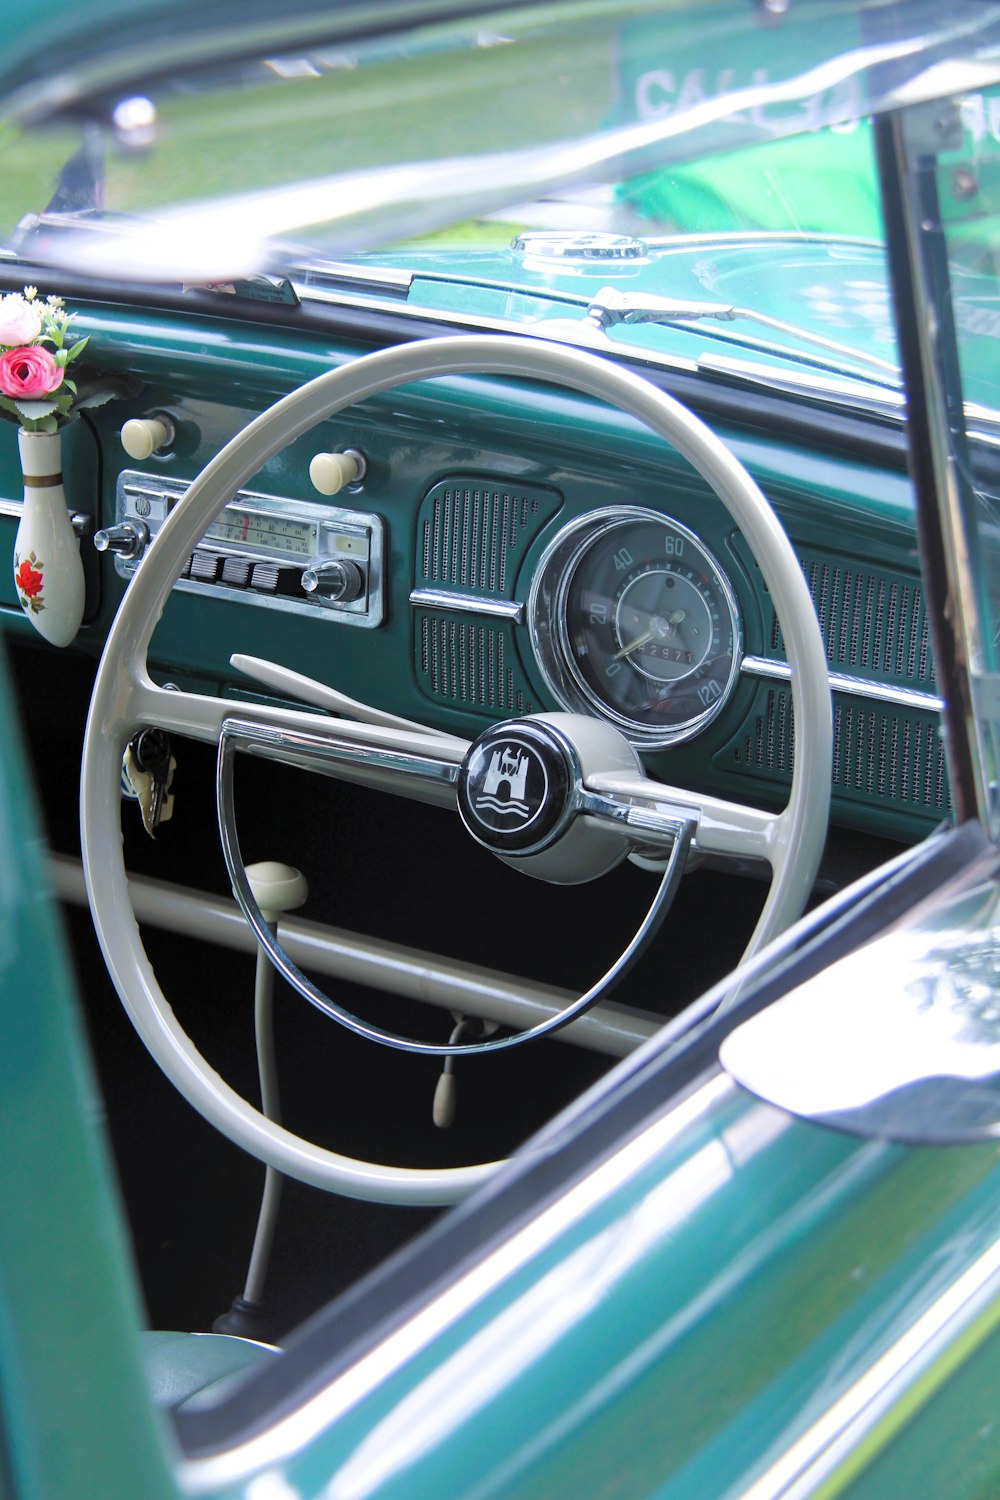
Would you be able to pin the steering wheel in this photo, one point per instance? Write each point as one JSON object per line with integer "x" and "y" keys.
{"x": 620, "y": 801}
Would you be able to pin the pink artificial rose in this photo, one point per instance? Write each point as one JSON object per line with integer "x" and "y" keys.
{"x": 25, "y": 373}
{"x": 20, "y": 321}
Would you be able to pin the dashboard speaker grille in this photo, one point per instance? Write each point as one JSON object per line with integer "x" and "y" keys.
{"x": 471, "y": 664}
{"x": 874, "y": 623}
{"x": 472, "y": 535}
{"x": 879, "y": 753}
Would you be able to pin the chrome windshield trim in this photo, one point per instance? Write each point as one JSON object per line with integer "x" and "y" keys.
{"x": 470, "y": 604}
{"x": 857, "y": 687}
{"x": 860, "y": 391}
{"x": 342, "y": 274}
{"x": 481, "y": 322}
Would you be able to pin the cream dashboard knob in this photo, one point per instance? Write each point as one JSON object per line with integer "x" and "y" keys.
{"x": 143, "y": 436}
{"x": 277, "y": 888}
{"x": 330, "y": 472}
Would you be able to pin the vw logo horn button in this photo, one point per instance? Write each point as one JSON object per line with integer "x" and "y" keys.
{"x": 514, "y": 788}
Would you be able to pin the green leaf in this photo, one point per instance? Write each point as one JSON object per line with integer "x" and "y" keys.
{"x": 34, "y": 411}
{"x": 77, "y": 348}
{"x": 96, "y": 396}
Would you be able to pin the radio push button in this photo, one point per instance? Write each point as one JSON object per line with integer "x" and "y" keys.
{"x": 205, "y": 566}
{"x": 236, "y": 571}
{"x": 276, "y": 579}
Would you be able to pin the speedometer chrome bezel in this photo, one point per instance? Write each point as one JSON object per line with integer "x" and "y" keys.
{"x": 550, "y": 629}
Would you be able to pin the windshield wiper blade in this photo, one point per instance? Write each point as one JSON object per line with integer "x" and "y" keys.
{"x": 610, "y": 307}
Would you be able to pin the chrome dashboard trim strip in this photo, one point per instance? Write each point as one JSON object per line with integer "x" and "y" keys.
{"x": 12, "y": 510}
{"x": 855, "y": 687}
{"x": 470, "y": 604}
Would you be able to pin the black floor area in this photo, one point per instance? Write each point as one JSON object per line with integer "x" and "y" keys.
{"x": 375, "y": 865}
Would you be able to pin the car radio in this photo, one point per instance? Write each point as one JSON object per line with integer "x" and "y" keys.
{"x": 320, "y": 560}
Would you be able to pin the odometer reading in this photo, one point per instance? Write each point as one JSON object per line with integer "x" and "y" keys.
{"x": 645, "y": 625}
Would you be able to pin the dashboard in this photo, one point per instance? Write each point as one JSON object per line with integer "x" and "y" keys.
{"x": 497, "y": 548}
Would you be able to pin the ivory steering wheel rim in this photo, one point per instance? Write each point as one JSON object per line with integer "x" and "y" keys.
{"x": 125, "y": 699}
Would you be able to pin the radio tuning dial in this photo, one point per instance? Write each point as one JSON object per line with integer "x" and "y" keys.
{"x": 127, "y": 540}
{"x": 336, "y": 579}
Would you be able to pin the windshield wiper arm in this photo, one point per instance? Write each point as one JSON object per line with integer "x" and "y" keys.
{"x": 611, "y": 306}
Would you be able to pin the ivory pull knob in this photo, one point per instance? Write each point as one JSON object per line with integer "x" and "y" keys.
{"x": 143, "y": 436}
{"x": 331, "y": 472}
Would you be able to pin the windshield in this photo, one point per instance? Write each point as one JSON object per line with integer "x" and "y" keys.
{"x": 588, "y": 179}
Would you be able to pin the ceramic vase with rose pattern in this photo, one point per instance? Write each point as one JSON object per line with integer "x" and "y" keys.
{"x": 48, "y": 571}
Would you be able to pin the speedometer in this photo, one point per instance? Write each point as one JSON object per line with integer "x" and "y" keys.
{"x": 631, "y": 616}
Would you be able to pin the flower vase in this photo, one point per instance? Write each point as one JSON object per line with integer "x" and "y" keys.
{"x": 48, "y": 570}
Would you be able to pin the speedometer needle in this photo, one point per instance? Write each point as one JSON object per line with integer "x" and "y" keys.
{"x": 640, "y": 641}
{"x": 656, "y": 629}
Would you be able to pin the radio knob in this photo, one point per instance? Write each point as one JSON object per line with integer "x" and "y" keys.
{"x": 127, "y": 540}
{"x": 143, "y": 436}
{"x": 335, "y": 579}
